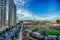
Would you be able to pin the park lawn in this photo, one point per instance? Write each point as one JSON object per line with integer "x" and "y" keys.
{"x": 53, "y": 32}
{"x": 38, "y": 26}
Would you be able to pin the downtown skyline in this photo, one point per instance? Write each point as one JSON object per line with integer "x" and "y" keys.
{"x": 38, "y": 9}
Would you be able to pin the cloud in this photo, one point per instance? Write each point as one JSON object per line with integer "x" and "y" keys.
{"x": 21, "y": 2}
{"x": 16, "y": 1}
{"x": 24, "y": 13}
{"x": 19, "y": 11}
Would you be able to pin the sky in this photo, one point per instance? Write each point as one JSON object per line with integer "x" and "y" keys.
{"x": 7, "y": 10}
{"x": 38, "y": 9}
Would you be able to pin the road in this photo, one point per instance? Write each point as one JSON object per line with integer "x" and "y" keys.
{"x": 11, "y": 33}
{"x": 21, "y": 33}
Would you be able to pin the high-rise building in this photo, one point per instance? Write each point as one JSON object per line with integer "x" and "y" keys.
{"x": 12, "y": 13}
{"x": 2, "y": 13}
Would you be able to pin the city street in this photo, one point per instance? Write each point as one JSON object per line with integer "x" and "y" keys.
{"x": 29, "y": 19}
{"x": 11, "y": 33}
{"x": 21, "y": 34}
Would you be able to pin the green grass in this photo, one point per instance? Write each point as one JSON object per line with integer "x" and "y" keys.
{"x": 53, "y": 32}
{"x": 35, "y": 27}
{"x": 49, "y": 32}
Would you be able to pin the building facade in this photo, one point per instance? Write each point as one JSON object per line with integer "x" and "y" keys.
{"x": 12, "y": 13}
{"x": 56, "y": 23}
{"x": 2, "y": 13}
